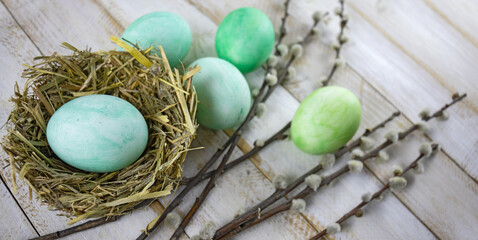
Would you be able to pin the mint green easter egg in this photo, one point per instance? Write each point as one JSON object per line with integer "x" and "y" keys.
{"x": 326, "y": 120}
{"x": 164, "y": 29}
{"x": 245, "y": 38}
{"x": 97, "y": 133}
{"x": 223, "y": 94}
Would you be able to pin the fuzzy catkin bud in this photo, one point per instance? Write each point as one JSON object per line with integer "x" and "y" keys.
{"x": 426, "y": 149}
{"x": 272, "y": 61}
{"x": 327, "y": 161}
{"x": 419, "y": 168}
{"x": 273, "y": 72}
{"x": 343, "y": 38}
{"x": 298, "y": 205}
{"x": 397, "y": 183}
{"x": 358, "y": 213}
{"x": 422, "y": 126}
{"x": 337, "y": 10}
{"x": 339, "y": 62}
{"x": 280, "y": 182}
{"x": 208, "y": 230}
{"x": 313, "y": 181}
{"x": 291, "y": 72}
{"x": 271, "y": 79}
{"x": 345, "y": 17}
{"x": 366, "y": 143}
{"x": 259, "y": 143}
{"x": 425, "y": 113}
{"x": 317, "y": 16}
{"x": 335, "y": 46}
{"x": 255, "y": 92}
{"x": 366, "y": 197}
{"x": 296, "y": 50}
{"x": 383, "y": 156}
{"x": 355, "y": 166}
{"x": 397, "y": 170}
{"x": 356, "y": 154}
{"x": 172, "y": 220}
{"x": 444, "y": 116}
{"x": 283, "y": 49}
{"x": 392, "y": 136}
{"x": 315, "y": 31}
{"x": 260, "y": 109}
{"x": 333, "y": 228}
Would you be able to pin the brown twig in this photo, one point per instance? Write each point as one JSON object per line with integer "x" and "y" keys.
{"x": 283, "y": 30}
{"x": 277, "y": 136}
{"x": 253, "y": 219}
{"x": 210, "y": 185}
{"x": 283, "y": 73}
{"x": 79, "y": 228}
{"x": 376, "y": 195}
{"x": 278, "y": 194}
{"x": 341, "y": 42}
{"x": 196, "y": 179}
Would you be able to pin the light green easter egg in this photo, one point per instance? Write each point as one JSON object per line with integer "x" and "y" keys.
{"x": 326, "y": 120}
{"x": 164, "y": 29}
{"x": 223, "y": 94}
{"x": 245, "y": 38}
{"x": 97, "y": 133}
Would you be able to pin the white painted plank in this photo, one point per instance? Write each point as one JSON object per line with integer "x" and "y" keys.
{"x": 375, "y": 108}
{"x": 430, "y": 44}
{"x": 13, "y": 224}
{"x": 460, "y": 14}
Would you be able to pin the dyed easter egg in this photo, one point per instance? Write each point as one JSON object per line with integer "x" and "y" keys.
{"x": 326, "y": 120}
{"x": 167, "y": 29}
{"x": 97, "y": 133}
{"x": 223, "y": 94}
{"x": 245, "y": 38}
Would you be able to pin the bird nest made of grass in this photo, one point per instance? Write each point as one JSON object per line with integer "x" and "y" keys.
{"x": 165, "y": 98}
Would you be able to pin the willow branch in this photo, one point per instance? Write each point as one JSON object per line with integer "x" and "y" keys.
{"x": 357, "y": 209}
{"x": 283, "y": 31}
{"x": 279, "y": 135}
{"x": 259, "y": 217}
{"x": 197, "y": 178}
{"x": 278, "y": 194}
{"x": 202, "y": 197}
{"x": 341, "y": 42}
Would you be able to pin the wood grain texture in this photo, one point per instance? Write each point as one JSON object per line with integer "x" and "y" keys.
{"x": 13, "y": 224}
{"x": 387, "y": 70}
{"x": 376, "y": 107}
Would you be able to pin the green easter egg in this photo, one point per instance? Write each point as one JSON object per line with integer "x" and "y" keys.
{"x": 245, "y": 38}
{"x": 223, "y": 94}
{"x": 326, "y": 120}
{"x": 97, "y": 133}
{"x": 164, "y": 29}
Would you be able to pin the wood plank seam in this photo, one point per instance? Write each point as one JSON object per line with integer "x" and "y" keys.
{"x": 269, "y": 178}
{"x": 403, "y": 203}
{"x": 21, "y": 27}
{"x": 409, "y": 54}
{"x": 433, "y": 74}
{"x": 448, "y": 20}
{"x": 18, "y": 204}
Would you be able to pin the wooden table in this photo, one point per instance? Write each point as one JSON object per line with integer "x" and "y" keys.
{"x": 403, "y": 55}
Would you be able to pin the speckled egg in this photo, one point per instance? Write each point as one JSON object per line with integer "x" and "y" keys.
{"x": 326, "y": 120}
{"x": 245, "y": 38}
{"x": 167, "y": 29}
{"x": 97, "y": 133}
{"x": 223, "y": 94}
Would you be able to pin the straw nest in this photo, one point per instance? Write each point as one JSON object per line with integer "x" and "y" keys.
{"x": 166, "y": 99}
